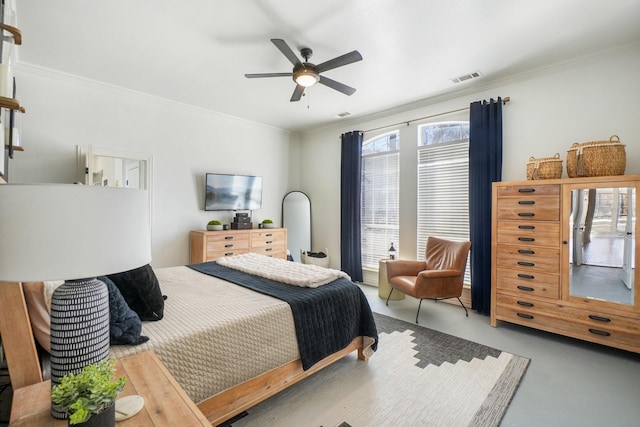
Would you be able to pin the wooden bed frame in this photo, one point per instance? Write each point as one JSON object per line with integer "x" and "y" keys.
{"x": 24, "y": 364}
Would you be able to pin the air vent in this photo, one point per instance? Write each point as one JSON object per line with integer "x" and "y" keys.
{"x": 343, "y": 114}
{"x": 466, "y": 77}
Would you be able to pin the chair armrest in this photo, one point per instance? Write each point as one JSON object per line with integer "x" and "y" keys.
{"x": 401, "y": 267}
{"x": 434, "y": 274}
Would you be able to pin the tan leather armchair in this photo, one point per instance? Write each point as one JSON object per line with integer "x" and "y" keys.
{"x": 440, "y": 276}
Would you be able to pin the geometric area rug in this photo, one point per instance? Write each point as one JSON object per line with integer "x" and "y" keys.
{"x": 417, "y": 377}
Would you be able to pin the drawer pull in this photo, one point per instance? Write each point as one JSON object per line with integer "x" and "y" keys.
{"x": 525, "y": 288}
{"x": 526, "y": 264}
{"x": 525, "y": 316}
{"x": 526, "y": 239}
{"x": 525, "y": 304}
{"x": 526, "y": 251}
{"x": 269, "y": 234}
{"x": 268, "y": 242}
{"x": 526, "y": 276}
{"x": 599, "y": 332}
{"x": 230, "y": 245}
{"x": 529, "y": 214}
{"x": 526, "y": 202}
{"x": 527, "y": 227}
{"x": 268, "y": 249}
{"x": 228, "y": 254}
{"x": 228, "y": 237}
{"x": 526, "y": 190}
{"x": 599, "y": 318}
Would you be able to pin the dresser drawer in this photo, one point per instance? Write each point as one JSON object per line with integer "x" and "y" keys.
{"x": 267, "y": 238}
{"x": 573, "y": 321}
{"x": 539, "y": 208}
{"x": 222, "y": 236}
{"x": 528, "y": 258}
{"x": 275, "y": 251}
{"x": 530, "y": 233}
{"x": 525, "y": 283}
{"x": 528, "y": 190}
{"x": 214, "y": 255}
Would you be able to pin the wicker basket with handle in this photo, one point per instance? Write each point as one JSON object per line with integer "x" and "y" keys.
{"x": 544, "y": 167}
{"x": 596, "y": 158}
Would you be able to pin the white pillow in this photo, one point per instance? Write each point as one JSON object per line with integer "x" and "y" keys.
{"x": 38, "y": 298}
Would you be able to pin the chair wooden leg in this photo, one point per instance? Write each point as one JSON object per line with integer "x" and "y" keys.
{"x": 418, "y": 313}
{"x": 465, "y": 308}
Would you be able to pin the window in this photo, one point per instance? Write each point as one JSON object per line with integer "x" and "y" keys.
{"x": 380, "y": 201}
{"x": 443, "y": 183}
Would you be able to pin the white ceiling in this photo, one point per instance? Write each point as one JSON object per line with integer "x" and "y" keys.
{"x": 197, "y": 51}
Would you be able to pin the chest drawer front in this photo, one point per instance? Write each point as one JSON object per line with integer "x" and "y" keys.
{"x": 529, "y": 233}
{"x": 214, "y": 255}
{"x": 539, "y": 208}
{"x": 529, "y": 258}
{"x": 539, "y": 284}
{"x": 226, "y": 245}
{"x": 578, "y": 322}
{"x": 276, "y": 252}
{"x": 221, "y": 236}
{"x": 529, "y": 190}
{"x": 268, "y": 238}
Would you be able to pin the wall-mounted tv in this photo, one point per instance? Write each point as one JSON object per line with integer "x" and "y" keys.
{"x": 225, "y": 192}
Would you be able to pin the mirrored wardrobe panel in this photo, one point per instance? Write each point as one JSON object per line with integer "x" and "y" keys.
{"x": 602, "y": 243}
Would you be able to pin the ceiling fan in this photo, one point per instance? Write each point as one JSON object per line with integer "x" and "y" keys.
{"x": 306, "y": 74}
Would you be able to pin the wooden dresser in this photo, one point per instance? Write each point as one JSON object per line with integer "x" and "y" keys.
{"x": 211, "y": 245}
{"x": 563, "y": 257}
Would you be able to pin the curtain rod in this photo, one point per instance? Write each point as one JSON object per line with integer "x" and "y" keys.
{"x": 408, "y": 122}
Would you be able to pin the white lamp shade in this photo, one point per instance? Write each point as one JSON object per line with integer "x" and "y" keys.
{"x": 65, "y": 231}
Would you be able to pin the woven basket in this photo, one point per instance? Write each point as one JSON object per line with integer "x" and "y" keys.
{"x": 596, "y": 158}
{"x": 544, "y": 167}
{"x": 322, "y": 262}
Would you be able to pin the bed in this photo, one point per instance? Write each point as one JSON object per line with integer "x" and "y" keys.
{"x": 228, "y": 345}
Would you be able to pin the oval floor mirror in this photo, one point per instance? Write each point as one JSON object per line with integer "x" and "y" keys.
{"x": 296, "y": 218}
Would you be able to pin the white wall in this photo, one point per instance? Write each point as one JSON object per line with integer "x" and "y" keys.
{"x": 64, "y": 111}
{"x": 585, "y": 100}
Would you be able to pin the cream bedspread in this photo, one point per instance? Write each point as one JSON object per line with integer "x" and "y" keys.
{"x": 214, "y": 334}
{"x": 281, "y": 270}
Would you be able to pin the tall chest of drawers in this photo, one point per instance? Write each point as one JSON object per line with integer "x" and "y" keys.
{"x": 211, "y": 245}
{"x": 542, "y": 261}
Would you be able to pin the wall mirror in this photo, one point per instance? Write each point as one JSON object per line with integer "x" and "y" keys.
{"x": 602, "y": 228}
{"x": 114, "y": 168}
{"x": 296, "y": 218}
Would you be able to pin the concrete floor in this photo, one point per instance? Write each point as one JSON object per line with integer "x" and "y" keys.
{"x": 568, "y": 383}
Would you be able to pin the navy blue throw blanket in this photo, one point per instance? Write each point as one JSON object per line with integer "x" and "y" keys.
{"x": 326, "y": 318}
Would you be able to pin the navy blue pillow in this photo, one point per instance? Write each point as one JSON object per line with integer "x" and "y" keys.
{"x": 125, "y": 326}
{"x": 141, "y": 290}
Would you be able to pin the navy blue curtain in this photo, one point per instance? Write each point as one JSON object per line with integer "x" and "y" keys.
{"x": 485, "y": 167}
{"x": 350, "y": 177}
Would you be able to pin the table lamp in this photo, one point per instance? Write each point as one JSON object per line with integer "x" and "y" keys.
{"x": 73, "y": 233}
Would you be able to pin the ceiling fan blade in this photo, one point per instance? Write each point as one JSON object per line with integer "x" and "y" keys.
{"x": 286, "y": 51}
{"x": 345, "y": 59}
{"x": 297, "y": 93}
{"x": 255, "y": 76}
{"x": 340, "y": 87}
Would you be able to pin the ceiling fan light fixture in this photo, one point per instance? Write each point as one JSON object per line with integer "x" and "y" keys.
{"x": 306, "y": 77}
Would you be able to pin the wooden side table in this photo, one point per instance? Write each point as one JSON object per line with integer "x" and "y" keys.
{"x": 165, "y": 402}
{"x": 383, "y": 283}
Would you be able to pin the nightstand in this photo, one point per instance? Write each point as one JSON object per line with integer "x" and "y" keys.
{"x": 165, "y": 402}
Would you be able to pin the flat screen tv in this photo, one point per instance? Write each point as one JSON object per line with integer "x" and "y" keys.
{"x": 225, "y": 192}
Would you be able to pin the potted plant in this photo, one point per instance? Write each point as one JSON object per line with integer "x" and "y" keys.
{"x": 89, "y": 397}
{"x": 267, "y": 223}
{"x": 214, "y": 224}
